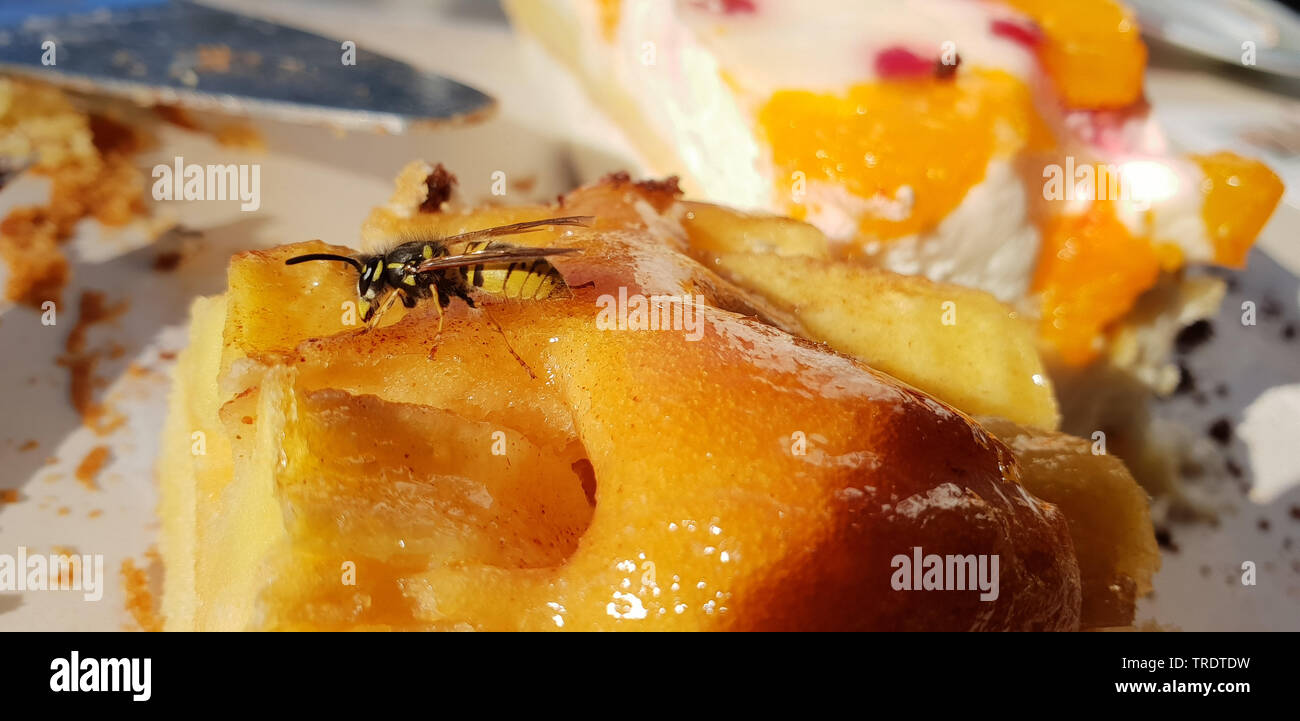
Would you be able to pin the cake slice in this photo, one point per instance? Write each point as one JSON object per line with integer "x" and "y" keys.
{"x": 1004, "y": 146}
{"x": 540, "y": 470}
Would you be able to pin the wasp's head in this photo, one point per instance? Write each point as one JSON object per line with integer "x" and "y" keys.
{"x": 370, "y": 283}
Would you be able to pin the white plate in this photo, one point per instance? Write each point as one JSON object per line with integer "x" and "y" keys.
{"x": 1227, "y": 30}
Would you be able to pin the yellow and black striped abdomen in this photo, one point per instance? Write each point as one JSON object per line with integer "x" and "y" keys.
{"x": 528, "y": 279}
{"x": 533, "y": 279}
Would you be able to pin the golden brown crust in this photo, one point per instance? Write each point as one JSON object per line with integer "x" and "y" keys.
{"x": 1108, "y": 514}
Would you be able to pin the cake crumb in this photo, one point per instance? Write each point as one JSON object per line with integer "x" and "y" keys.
{"x": 92, "y": 310}
{"x": 167, "y": 262}
{"x": 89, "y": 468}
{"x": 241, "y": 136}
{"x": 29, "y": 445}
{"x": 525, "y": 184}
{"x": 60, "y": 579}
{"x": 1194, "y": 336}
{"x": 139, "y": 586}
{"x": 88, "y": 160}
{"x": 176, "y": 115}
{"x": 1221, "y": 431}
{"x": 1165, "y": 539}
{"x": 9, "y": 495}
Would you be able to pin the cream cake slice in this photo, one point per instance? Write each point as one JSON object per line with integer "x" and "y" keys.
{"x": 1001, "y": 145}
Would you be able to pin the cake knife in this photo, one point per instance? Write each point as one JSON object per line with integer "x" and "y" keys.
{"x": 175, "y": 52}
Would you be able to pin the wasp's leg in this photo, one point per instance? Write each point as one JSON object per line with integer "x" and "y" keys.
{"x": 465, "y": 296}
{"x": 568, "y": 289}
{"x": 409, "y": 300}
{"x": 443, "y": 300}
{"x": 505, "y": 338}
{"x": 384, "y": 307}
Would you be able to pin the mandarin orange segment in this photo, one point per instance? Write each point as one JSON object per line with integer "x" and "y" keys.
{"x": 919, "y": 144}
{"x": 1090, "y": 271}
{"x": 1240, "y": 195}
{"x": 1092, "y": 49}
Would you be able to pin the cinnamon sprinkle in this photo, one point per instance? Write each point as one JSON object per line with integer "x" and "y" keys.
{"x": 141, "y": 601}
{"x": 89, "y": 468}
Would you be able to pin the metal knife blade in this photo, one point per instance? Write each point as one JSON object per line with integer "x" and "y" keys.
{"x": 181, "y": 53}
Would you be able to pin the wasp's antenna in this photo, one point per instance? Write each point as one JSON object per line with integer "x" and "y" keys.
{"x": 326, "y": 256}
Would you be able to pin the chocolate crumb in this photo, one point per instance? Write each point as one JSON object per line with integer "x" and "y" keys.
{"x": 1186, "y": 381}
{"x": 1263, "y": 524}
{"x": 166, "y": 262}
{"x": 1193, "y": 336}
{"x": 1221, "y": 390}
{"x": 441, "y": 183}
{"x": 6, "y": 173}
{"x": 1220, "y": 431}
{"x": 1295, "y": 513}
{"x": 1270, "y": 308}
{"x": 1165, "y": 539}
{"x": 1288, "y": 332}
{"x": 1234, "y": 468}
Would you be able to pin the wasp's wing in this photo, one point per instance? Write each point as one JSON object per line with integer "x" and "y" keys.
{"x": 505, "y": 254}
{"x": 516, "y": 228}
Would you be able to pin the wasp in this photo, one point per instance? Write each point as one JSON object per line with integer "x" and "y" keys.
{"x": 427, "y": 268}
